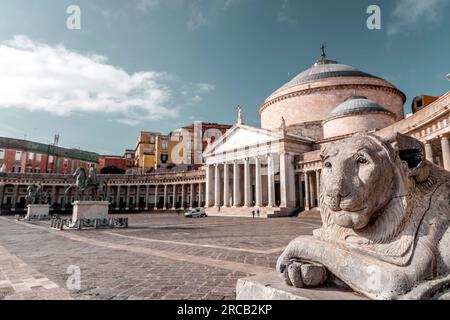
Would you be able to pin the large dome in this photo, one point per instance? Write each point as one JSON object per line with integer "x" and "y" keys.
{"x": 325, "y": 68}
{"x": 306, "y": 100}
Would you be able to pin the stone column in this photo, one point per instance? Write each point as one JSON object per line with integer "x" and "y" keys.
{"x": 209, "y": 188}
{"x": 287, "y": 180}
{"x": 137, "y": 196}
{"x": 156, "y": 198}
{"x": 118, "y": 198}
{"x": 14, "y": 198}
{"x": 191, "y": 199}
{"x": 236, "y": 184}
{"x": 183, "y": 196}
{"x": 199, "y": 194}
{"x": 247, "y": 186}
{"x": 445, "y": 144}
{"x": 165, "y": 197}
{"x": 300, "y": 192}
{"x": 128, "y": 198}
{"x": 2, "y": 192}
{"x": 318, "y": 187}
{"x": 174, "y": 197}
{"x": 226, "y": 186}
{"x": 311, "y": 191}
{"x": 147, "y": 189}
{"x": 429, "y": 152}
{"x": 307, "y": 197}
{"x": 270, "y": 182}
{"x": 258, "y": 185}
{"x": 217, "y": 187}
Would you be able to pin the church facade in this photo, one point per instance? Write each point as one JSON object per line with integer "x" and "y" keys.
{"x": 275, "y": 170}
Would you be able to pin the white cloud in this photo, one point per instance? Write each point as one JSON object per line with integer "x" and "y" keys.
{"x": 284, "y": 14}
{"x": 412, "y": 14}
{"x": 197, "y": 19}
{"x": 39, "y": 77}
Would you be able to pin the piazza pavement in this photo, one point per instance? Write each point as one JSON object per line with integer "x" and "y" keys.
{"x": 160, "y": 256}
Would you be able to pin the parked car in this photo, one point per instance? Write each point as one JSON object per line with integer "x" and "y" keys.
{"x": 195, "y": 213}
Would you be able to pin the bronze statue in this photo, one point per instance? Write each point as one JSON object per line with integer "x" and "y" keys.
{"x": 36, "y": 195}
{"x": 87, "y": 187}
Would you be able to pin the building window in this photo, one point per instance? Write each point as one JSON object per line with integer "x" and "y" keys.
{"x": 50, "y": 159}
{"x": 30, "y": 156}
{"x": 152, "y": 139}
{"x": 16, "y": 169}
{"x": 2, "y": 153}
{"x": 37, "y": 170}
{"x": 29, "y": 169}
{"x": 18, "y": 155}
{"x": 38, "y": 157}
{"x": 164, "y": 145}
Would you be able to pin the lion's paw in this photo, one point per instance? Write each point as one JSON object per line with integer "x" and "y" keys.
{"x": 304, "y": 274}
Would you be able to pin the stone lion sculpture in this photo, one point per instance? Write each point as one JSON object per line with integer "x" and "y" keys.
{"x": 386, "y": 214}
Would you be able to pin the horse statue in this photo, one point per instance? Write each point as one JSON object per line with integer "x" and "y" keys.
{"x": 87, "y": 187}
{"x": 36, "y": 195}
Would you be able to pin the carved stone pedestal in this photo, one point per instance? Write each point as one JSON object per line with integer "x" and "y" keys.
{"x": 271, "y": 286}
{"x": 90, "y": 210}
{"x": 89, "y": 215}
{"x": 37, "y": 212}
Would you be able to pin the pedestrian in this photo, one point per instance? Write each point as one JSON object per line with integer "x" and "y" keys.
{"x": 253, "y": 214}
{"x": 257, "y": 212}
{"x": 218, "y": 208}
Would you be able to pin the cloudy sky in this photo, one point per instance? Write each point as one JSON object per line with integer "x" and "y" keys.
{"x": 157, "y": 65}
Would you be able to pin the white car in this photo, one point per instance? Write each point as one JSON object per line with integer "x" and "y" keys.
{"x": 195, "y": 213}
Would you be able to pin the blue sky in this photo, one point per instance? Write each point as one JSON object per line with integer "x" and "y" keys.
{"x": 157, "y": 65}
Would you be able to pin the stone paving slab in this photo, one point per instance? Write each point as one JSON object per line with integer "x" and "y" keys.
{"x": 159, "y": 257}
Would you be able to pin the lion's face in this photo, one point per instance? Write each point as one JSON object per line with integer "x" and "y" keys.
{"x": 357, "y": 180}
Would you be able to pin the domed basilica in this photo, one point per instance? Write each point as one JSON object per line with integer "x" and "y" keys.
{"x": 276, "y": 169}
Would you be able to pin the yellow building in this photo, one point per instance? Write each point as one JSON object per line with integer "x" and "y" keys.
{"x": 146, "y": 150}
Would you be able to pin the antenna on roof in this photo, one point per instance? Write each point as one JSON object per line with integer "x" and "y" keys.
{"x": 56, "y": 139}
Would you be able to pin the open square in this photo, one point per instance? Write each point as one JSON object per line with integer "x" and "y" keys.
{"x": 160, "y": 256}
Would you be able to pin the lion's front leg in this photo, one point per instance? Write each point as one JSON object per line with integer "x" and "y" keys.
{"x": 298, "y": 272}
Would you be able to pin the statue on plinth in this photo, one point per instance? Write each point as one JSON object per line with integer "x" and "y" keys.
{"x": 386, "y": 215}
{"x": 240, "y": 115}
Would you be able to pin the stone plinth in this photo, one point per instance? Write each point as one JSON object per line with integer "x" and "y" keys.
{"x": 271, "y": 286}
{"x": 90, "y": 210}
{"x": 37, "y": 212}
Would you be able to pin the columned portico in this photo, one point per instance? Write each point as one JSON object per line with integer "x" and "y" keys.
{"x": 262, "y": 172}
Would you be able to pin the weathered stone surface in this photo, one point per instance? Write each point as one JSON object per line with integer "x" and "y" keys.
{"x": 90, "y": 210}
{"x": 271, "y": 287}
{"x": 37, "y": 211}
{"x": 385, "y": 213}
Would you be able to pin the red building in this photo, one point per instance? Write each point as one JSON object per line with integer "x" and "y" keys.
{"x": 115, "y": 164}
{"x": 22, "y": 156}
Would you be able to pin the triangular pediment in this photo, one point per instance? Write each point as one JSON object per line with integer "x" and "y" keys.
{"x": 239, "y": 137}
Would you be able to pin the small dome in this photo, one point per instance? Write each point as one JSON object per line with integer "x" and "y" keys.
{"x": 357, "y": 104}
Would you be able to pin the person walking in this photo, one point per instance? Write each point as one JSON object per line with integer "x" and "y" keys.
{"x": 253, "y": 214}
